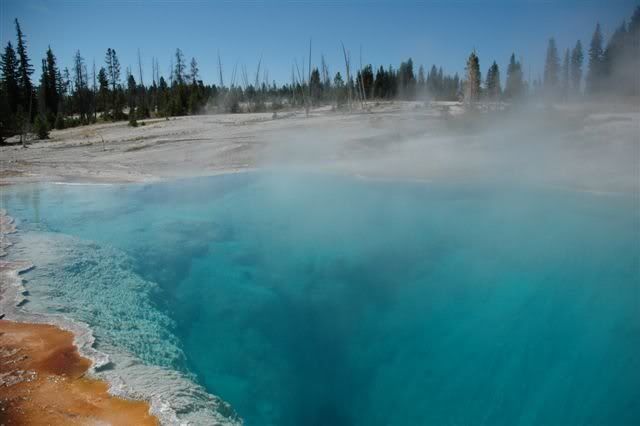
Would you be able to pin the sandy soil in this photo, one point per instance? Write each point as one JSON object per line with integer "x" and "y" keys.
{"x": 573, "y": 146}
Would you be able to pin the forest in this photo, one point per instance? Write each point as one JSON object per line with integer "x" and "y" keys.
{"x": 87, "y": 93}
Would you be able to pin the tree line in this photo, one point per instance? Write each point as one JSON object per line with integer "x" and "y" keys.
{"x": 87, "y": 93}
{"x": 613, "y": 70}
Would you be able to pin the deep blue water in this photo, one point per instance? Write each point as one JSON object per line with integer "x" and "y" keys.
{"x": 320, "y": 300}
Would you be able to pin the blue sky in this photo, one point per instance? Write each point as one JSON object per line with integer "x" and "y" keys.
{"x": 441, "y": 32}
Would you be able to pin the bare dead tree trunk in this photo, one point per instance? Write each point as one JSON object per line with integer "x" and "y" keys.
{"x": 301, "y": 78}
{"x": 293, "y": 87}
{"x": 171, "y": 72}
{"x": 325, "y": 74}
{"x": 220, "y": 70}
{"x": 142, "y": 88}
{"x": 26, "y": 127}
{"x": 308, "y": 103}
{"x": 346, "y": 62}
{"x": 140, "y": 68}
{"x": 95, "y": 93}
{"x": 364, "y": 95}
{"x": 155, "y": 88}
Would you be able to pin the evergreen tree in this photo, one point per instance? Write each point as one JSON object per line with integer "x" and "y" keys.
{"x": 43, "y": 89}
{"x": 163, "y": 94}
{"x": 633, "y": 54}
{"x": 432, "y": 82}
{"x": 456, "y": 89}
{"x": 577, "y": 57}
{"x": 103, "y": 90}
{"x": 113, "y": 74}
{"x": 315, "y": 86}
{"x": 81, "y": 93}
{"x": 514, "y": 87}
{"x": 565, "y": 75}
{"x": 131, "y": 93}
{"x": 20, "y": 122}
{"x": 60, "y": 89}
{"x": 422, "y": 81}
{"x": 41, "y": 127}
{"x": 178, "y": 73}
{"x": 194, "y": 71}
{"x": 59, "y": 124}
{"x": 113, "y": 68}
{"x": 365, "y": 80}
{"x": 472, "y": 87}
{"x": 493, "y": 82}
{"x": 24, "y": 73}
{"x": 594, "y": 76}
{"x": 613, "y": 61}
{"x": 406, "y": 80}
{"x": 133, "y": 122}
{"x": 551, "y": 68}
{"x": 52, "y": 95}
{"x": 10, "y": 85}
{"x": 341, "y": 94}
{"x": 379, "y": 83}
{"x": 5, "y": 116}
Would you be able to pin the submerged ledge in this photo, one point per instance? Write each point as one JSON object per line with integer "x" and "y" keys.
{"x": 163, "y": 393}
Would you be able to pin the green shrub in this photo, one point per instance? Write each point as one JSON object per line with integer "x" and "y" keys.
{"x": 41, "y": 127}
{"x": 132, "y": 118}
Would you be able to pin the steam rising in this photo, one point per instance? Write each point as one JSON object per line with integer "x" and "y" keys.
{"x": 580, "y": 146}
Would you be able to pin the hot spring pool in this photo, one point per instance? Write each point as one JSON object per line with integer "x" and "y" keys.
{"x": 320, "y": 300}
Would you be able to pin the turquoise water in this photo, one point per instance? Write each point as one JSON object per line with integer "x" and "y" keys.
{"x": 317, "y": 300}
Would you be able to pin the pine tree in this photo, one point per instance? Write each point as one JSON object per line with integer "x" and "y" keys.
{"x": 613, "y": 60}
{"x": 456, "y": 89}
{"x": 472, "y": 88}
{"x": 163, "y": 94}
{"x": 61, "y": 90}
{"x": 5, "y": 116}
{"x": 422, "y": 82}
{"x": 493, "y": 82}
{"x": 565, "y": 78}
{"x": 133, "y": 122}
{"x": 81, "y": 93}
{"x": 315, "y": 86}
{"x": 514, "y": 87}
{"x": 113, "y": 68}
{"x": 43, "y": 89}
{"x": 113, "y": 74}
{"x": 9, "y": 66}
{"x": 131, "y": 93}
{"x": 24, "y": 73}
{"x": 379, "y": 83}
{"x": 432, "y": 82}
{"x": 195, "y": 72}
{"x": 367, "y": 81}
{"x": 131, "y": 99}
{"x": 103, "y": 90}
{"x": 594, "y": 76}
{"x": 551, "y": 68}
{"x": 406, "y": 80}
{"x": 577, "y": 57}
{"x": 41, "y": 127}
{"x": 338, "y": 84}
{"x": 633, "y": 54}
{"x": 178, "y": 73}
{"x": 52, "y": 94}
